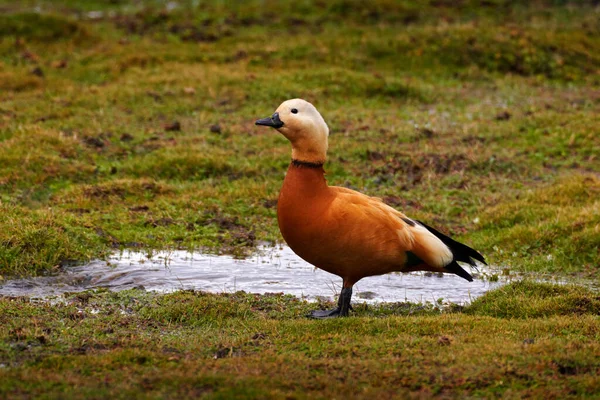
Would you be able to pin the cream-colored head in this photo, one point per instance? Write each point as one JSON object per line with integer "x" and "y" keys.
{"x": 300, "y": 122}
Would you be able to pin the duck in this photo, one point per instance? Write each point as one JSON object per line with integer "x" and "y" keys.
{"x": 345, "y": 232}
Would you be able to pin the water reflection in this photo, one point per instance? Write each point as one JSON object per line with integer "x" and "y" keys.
{"x": 272, "y": 269}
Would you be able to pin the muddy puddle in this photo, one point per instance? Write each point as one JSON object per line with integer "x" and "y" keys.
{"x": 270, "y": 270}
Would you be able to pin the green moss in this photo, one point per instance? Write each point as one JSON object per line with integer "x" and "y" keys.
{"x": 188, "y": 344}
{"x": 36, "y": 241}
{"x": 449, "y": 111}
{"x": 478, "y": 117}
{"x": 553, "y": 228}
{"x": 19, "y": 82}
{"x": 42, "y": 157}
{"x": 535, "y": 300}
{"x": 40, "y": 27}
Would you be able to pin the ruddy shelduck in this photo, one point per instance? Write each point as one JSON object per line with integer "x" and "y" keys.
{"x": 345, "y": 232}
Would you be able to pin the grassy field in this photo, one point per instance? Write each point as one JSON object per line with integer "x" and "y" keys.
{"x": 525, "y": 340}
{"x": 130, "y": 125}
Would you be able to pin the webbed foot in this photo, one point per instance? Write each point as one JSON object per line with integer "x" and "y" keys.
{"x": 340, "y": 311}
{"x": 323, "y": 314}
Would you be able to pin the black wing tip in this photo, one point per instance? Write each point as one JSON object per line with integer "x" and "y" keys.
{"x": 476, "y": 256}
{"x": 461, "y": 251}
{"x": 454, "y": 268}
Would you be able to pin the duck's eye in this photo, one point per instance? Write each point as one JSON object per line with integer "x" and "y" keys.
{"x": 294, "y": 111}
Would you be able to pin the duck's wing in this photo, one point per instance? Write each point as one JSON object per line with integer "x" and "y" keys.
{"x": 408, "y": 235}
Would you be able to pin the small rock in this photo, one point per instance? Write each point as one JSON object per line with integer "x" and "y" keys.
{"x": 159, "y": 222}
{"x": 19, "y": 346}
{"x": 42, "y": 119}
{"x": 503, "y": 116}
{"x": 28, "y": 55}
{"x": 37, "y": 71}
{"x": 426, "y": 133}
{"x": 139, "y": 208}
{"x": 173, "y": 126}
{"x": 216, "y": 128}
{"x": 444, "y": 341}
{"x": 59, "y": 64}
{"x": 240, "y": 55}
{"x": 270, "y": 203}
{"x": 374, "y": 155}
{"x": 155, "y": 95}
{"x": 126, "y": 137}
{"x": 92, "y": 141}
{"x": 189, "y": 90}
{"x": 225, "y": 352}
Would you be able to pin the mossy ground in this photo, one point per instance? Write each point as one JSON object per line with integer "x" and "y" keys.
{"x": 126, "y": 124}
{"x": 543, "y": 341}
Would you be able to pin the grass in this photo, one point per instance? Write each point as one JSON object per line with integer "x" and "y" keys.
{"x": 130, "y": 125}
{"x": 190, "y": 344}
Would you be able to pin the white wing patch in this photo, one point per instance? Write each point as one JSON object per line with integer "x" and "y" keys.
{"x": 426, "y": 245}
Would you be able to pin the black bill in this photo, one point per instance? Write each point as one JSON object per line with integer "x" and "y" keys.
{"x": 272, "y": 121}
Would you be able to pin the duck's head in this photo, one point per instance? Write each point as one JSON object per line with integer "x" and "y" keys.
{"x": 300, "y": 122}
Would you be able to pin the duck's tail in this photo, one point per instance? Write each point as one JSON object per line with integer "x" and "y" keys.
{"x": 460, "y": 252}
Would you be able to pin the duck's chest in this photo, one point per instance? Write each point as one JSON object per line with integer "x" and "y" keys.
{"x": 303, "y": 201}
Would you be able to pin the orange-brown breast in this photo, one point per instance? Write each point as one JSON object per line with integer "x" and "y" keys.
{"x": 336, "y": 229}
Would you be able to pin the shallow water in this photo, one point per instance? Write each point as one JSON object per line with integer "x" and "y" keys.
{"x": 271, "y": 270}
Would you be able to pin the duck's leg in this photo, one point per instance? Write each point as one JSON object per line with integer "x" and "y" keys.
{"x": 341, "y": 310}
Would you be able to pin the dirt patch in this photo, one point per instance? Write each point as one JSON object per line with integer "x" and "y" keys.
{"x": 174, "y": 126}
{"x": 473, "y": 139}
{"x": 148, "y": 22}
{"x": 270, "y": 203}
{"x": 80, "y": 211}
{"x": 123, "y": 188}
{"x": 413, "y": 168}
{"x": 159, "y": 222}
{"x": 225, "y": 223}
{"x": 40, "y": 27}
{"x": 503, "y": 116}
{"x": 156, "y": 142}
{"x": 139, "y": 208}
{"x": 104, "y": 191}
{"x": 375, "y": 155}
{"x": 424, "y": 134}
{"x": 19, "y": 82}
{"x": 224, "y": 352}
{"x": 96, "y": 142}
{"x": 126, "y": 137}
{"x": 235, "y": 237}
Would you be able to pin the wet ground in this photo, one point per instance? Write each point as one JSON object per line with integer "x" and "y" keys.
{"x": 272, "y": 269}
